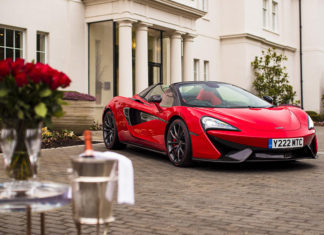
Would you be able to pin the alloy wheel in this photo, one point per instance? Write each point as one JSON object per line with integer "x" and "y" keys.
{"x": 178, "y": 143}
{"x": 109, "y": 129}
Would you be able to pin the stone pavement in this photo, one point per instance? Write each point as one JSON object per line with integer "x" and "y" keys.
{"x": 266, "y": 198}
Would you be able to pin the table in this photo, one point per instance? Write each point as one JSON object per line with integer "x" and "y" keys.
{"x": 44, "y": 196}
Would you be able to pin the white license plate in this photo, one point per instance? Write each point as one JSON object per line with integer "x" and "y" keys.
{"x": 286, "y": 143}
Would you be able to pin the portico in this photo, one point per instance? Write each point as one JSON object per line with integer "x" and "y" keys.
{"x": 147, "y": 49}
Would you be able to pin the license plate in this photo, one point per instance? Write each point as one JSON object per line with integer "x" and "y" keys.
{"x": 286, "y": 143}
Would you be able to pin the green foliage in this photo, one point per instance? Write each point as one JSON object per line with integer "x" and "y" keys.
{"x": 30, "y": 92}
{"x": 271, "y": 78}
{"x": 52, "y": 138}
{"x": 48, "y": 134}
{"x": 34, "y": 102}
{"x": 96, "y": 126}
{"x": 315, "y": 116}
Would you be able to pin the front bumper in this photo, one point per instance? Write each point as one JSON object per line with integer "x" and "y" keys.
{"x": 236, "y": 153}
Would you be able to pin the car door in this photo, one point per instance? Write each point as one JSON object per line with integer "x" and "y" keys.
{"x": 146, "y": 121}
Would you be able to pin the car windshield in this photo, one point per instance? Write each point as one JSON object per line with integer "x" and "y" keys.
{"x": 219, "y": 95}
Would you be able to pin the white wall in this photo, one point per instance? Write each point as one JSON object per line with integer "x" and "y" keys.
{"x": 64, "y": 23}
{"x": 313, "y": 53}
{"x": 206, "y": 45}
{"x": 229, "y": 59}
{"x": 243, "y": 37}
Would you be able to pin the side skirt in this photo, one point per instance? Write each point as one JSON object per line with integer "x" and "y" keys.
{"x": 145, "y": 148}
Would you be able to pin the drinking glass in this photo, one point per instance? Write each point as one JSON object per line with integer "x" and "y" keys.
{"x": 33, "y": 142}
{"x": 8, "y": 141}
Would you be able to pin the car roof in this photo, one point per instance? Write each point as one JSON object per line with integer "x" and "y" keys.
{"x": 198, "y": 82}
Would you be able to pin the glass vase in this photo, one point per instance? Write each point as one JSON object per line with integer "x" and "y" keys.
{"x": 21, "y": 143}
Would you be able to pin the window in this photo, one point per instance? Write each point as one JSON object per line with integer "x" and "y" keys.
{"x": 41, "y": 48}
{"x": 203, "y": 5}
{"x": 274, "y": 15}
{"x": 196, "y": 70}
{"x": 167, "y": 98}
{"x": 157, "y": 90}
{"x": 11, "y": 43}
{"x": 265, "y": 13}
{"x": 270, "y": 15}
{"x": 206, "y": 70}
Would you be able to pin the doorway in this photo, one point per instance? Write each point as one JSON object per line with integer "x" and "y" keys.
{"x": 155, "y": 56}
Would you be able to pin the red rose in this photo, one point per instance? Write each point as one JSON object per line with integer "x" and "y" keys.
{"x": 29, "y": 67}
{"x": 55, "y": 82}
{"x": 33, "y": 72}
{"x": 21, "y": 79}
{"x": 18, "y": 66}
{"x": 4, "y": 68}
{"x": 46, "y": 73}
{"x": 65, "y": 80}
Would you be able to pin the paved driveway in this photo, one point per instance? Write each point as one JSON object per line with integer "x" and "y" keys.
{"x": 276, "y": 198}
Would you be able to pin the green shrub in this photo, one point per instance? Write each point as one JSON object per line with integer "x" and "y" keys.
{"x": 315, "y": 116}
{"x": 271, "y": 78}
{"x": 62, "y": 138}
{"x": 96, "y": 126}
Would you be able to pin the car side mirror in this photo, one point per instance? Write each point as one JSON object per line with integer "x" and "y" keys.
{"x": 155, "y": 99}
{"x": 269, "y": 99}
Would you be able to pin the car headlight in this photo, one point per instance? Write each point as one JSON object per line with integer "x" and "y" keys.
{"x": 213, "y": 123}
{"x": 310, "y": 122}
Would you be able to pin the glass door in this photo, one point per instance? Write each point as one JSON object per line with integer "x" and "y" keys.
{"x": 101, "y": 61}
{"x": 154, "y": 56}
{"x": 154, "y": 73}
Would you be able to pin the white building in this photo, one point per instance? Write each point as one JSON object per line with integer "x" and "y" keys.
{"x": 119, "y": 47}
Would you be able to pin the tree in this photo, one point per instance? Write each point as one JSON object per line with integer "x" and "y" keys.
{"x": 271, "y": 78}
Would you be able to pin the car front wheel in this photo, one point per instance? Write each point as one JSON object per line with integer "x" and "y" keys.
{"x": 179, "y": 144}
{"x": 110, "y": 133}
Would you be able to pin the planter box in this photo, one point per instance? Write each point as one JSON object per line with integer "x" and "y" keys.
{"x": 79, "y": 116}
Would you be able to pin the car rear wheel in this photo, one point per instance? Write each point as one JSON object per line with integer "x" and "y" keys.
{"x": 110, "y": 134}
{"x": 179, "y": 144}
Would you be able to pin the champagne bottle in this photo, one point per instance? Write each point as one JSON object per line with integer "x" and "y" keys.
{"x": 88, "y": 150}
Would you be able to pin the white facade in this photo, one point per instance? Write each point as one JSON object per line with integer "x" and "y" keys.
{"x": 170, "y": 40}
{"x": 63, "y": 22}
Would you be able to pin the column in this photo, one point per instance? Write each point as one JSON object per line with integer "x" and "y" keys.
{"x": 125, "y": 59}
{"x": 188, "y": 58}
{"x": 141, "y": 58}
{"x": 176, "y": 57}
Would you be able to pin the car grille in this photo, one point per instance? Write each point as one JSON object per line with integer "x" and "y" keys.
{"x": 227, "y": 148}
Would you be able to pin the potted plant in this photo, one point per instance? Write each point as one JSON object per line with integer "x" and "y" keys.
{"x": 29, "y": 96}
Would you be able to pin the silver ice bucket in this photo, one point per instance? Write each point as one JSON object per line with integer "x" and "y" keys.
{"x": 91, "y": 180}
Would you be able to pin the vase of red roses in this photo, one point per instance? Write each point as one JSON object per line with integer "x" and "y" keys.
{"x": 29, "y": 97}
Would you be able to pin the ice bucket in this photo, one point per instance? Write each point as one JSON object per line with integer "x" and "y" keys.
{"x": 92, "y": 180}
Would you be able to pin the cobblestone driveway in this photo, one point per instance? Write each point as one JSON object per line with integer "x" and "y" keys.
{"x": 275, "y": 198}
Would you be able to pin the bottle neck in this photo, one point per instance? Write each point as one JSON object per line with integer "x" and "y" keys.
{"x": 88, "y": 151}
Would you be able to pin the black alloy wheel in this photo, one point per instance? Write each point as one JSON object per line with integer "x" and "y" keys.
{"x": 179, "y": 144}
{"x": 110, "y": 134}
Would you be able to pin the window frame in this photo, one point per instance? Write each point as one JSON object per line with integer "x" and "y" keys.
{"x": 270, "y": 15}
{"x": 206, "y": 70}
{"x": 202, "y": 5}
{"x": 45, "y": 52}
{"x": 196, "y": 69}
{"x": 274, "y": 15}
{"x": 13, "y": 47}
{"x": 265, "y": 13}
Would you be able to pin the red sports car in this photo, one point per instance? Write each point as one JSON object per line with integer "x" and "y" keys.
{"x": 208, "y": 121}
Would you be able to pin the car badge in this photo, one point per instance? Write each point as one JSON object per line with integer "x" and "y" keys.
{"x": 279, "y": 127}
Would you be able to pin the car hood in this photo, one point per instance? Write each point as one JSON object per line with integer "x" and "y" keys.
{"x": 277, "y": 118}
